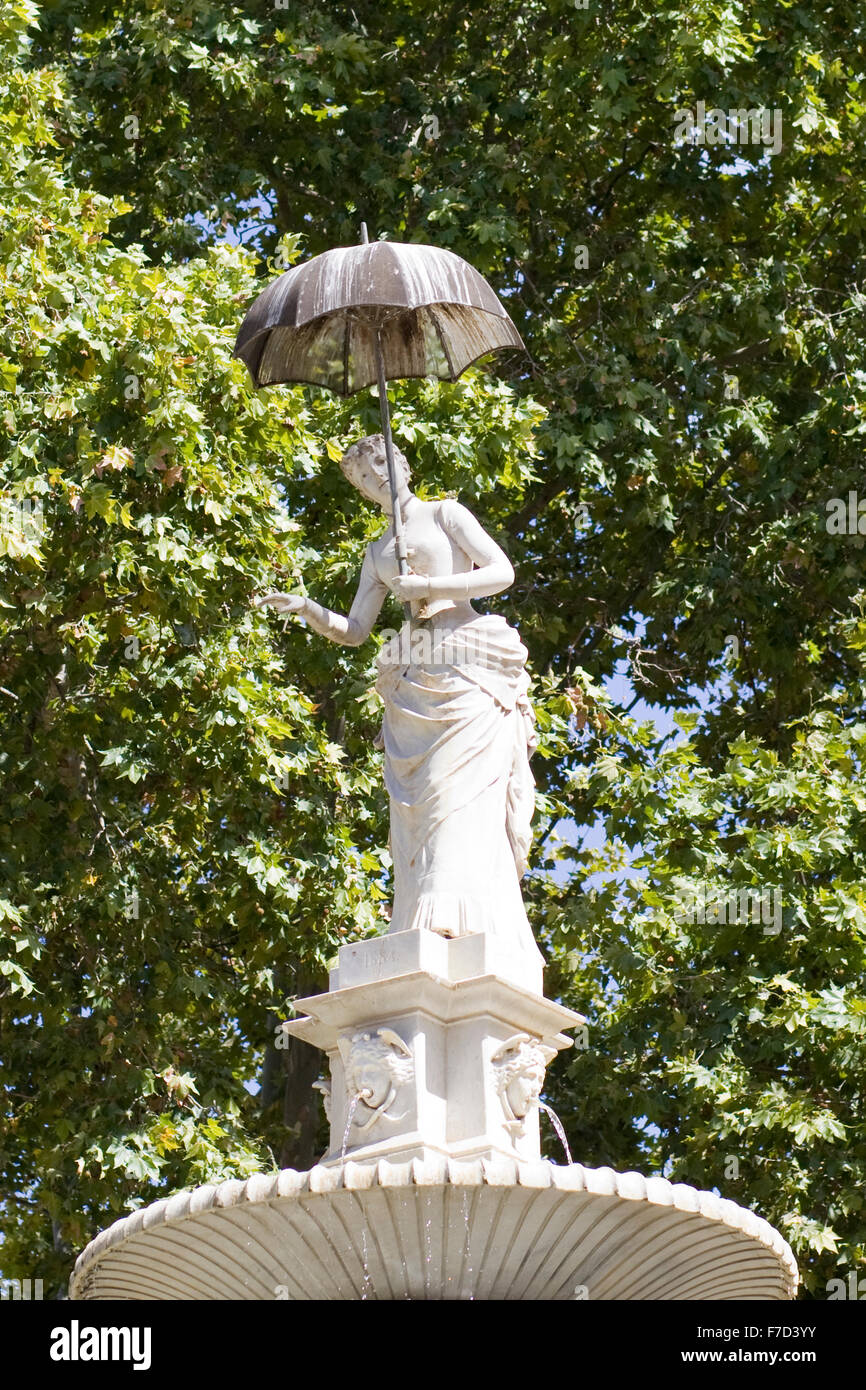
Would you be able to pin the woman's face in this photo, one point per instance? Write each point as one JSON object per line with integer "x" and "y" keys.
{"x": 371, "y": 480}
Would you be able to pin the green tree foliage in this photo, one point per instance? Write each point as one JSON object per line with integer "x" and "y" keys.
{"x": 724, "y": 947}
{"x": 659, "y": 465}
{"x": 518, "y": 135}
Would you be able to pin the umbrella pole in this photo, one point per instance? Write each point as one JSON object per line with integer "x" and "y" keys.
{"x": 399, "y": 539}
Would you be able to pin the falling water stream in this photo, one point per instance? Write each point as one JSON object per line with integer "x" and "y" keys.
{"x": 353, "y": 1105}
{"x": 467, "y": 1258}
{"x": 368, "y": 1283}
{"x": 557, "y": 1125}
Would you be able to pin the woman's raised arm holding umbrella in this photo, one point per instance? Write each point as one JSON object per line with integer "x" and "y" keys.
{"x": 451, "y": 557}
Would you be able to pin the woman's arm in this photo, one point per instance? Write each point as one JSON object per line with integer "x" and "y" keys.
{"x": 351, "y": 631}
{"x": 493, "y": 572}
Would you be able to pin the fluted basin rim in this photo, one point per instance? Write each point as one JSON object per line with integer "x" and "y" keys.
{"x": 356, "y": 1177}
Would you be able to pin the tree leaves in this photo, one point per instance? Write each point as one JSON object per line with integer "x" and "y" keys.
{"x": 659, "y": 466}
{"x": 739, "y": 1028}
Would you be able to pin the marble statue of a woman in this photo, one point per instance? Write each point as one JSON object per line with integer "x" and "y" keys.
{"x": 458, "y": 729}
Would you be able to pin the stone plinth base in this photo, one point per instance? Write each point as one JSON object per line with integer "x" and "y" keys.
{"x": 437, "y": 1048}
{"x": 440, "y": 1230}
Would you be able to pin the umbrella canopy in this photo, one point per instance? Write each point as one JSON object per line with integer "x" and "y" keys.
{"x": 429, "y": 311}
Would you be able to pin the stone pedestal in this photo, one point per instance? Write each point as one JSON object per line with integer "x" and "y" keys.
{"x": 437, "y": 1049}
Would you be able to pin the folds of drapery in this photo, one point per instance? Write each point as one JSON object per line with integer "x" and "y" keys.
{"x": 458, "y": 733}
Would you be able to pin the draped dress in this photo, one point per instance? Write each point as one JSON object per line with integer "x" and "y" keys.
{"x": 458, "y": 732}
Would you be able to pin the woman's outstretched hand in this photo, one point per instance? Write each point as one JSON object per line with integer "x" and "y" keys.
{"x": 284, "y": 603}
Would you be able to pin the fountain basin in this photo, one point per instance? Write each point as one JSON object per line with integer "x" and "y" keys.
{"x": 440, "y": 1229}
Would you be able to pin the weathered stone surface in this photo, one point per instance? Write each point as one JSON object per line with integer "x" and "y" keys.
{"x": 428, "y": 1057}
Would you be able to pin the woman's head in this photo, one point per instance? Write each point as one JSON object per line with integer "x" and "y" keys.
{"x": 365, "y": 464}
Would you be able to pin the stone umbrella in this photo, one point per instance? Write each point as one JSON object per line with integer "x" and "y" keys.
{"x": 373, "y": 313}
